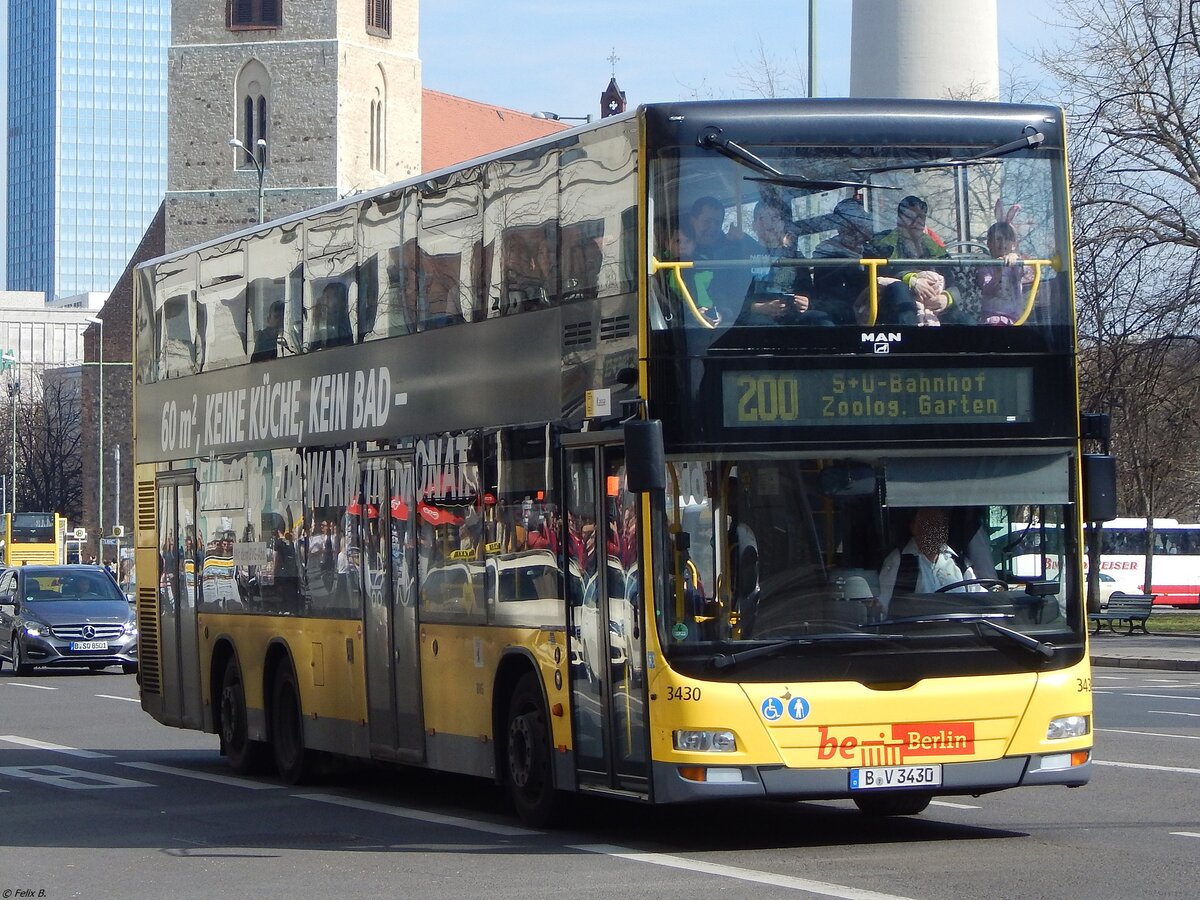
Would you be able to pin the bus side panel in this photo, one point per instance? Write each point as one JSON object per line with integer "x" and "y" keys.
{"x": 459, "y": 665}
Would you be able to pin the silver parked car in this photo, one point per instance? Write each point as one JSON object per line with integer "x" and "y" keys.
{"x": 65, "y": 616}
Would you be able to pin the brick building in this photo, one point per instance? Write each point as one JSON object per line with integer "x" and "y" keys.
{"x": 333, "y": 89}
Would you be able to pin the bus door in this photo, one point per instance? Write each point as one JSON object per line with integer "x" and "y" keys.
{"x": 179, "y": 552}
{"x": 605, "y": 627}
{"x": 386, "y": 547}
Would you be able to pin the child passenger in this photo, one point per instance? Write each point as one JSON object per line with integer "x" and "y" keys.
{"x": 1002, "y": 288}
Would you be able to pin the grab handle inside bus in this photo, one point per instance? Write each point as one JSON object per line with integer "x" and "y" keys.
{"x": 645, "y": 458}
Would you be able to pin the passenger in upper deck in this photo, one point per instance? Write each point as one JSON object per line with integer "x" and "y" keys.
{"x": 1002, "y": 288}
{"x": 708, "y": 214}
{"x": 682, "y": 248}
{"x": 838, "y": 288}
{"x": 778, "y": 294}
{"x": 331, "y": 318}
{"x": 911, "y": 296}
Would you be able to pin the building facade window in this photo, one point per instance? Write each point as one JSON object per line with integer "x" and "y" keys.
{"x": 255, "y": 13}
{"x": 379, "y": 17}
{"x": 378, "y": 145}
{"x": 253, "y": 92}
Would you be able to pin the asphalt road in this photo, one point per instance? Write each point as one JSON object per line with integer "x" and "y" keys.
{"x": 98, "y": 800}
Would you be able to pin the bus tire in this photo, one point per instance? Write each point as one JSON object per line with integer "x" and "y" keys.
{"x": 899, "y": 804}
{"x": 292, "y": 761}
{"x": 245, "y": 756}
{"x": 530, "y": 775}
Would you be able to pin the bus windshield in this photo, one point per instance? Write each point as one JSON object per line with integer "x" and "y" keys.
{"x": 32, "y": 528}
{"x": 897, "y": 553}
{"x": 958, "y": 240}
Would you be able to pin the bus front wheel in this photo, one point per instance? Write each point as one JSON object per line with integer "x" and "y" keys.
{"x": 892, "y": 804}
{"x": 530, "y": 771}
{"x": 246, "y": 757}
{"x": 292, "y": 760}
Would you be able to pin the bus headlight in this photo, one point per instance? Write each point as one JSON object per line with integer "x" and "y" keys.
{"x": 1067, "y": 727}
{"x": 706, "y": 741}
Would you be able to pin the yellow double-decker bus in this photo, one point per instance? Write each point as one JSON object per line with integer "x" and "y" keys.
{"x": 657, "y": 459}
{"x": 34, "y": 537}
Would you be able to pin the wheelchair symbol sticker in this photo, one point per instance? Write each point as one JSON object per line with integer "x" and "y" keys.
{"x": 772, "y": 709}
{"x": 798, "y": 708}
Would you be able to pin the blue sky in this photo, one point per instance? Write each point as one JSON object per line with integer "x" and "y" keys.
{"x": 552, "y": 55}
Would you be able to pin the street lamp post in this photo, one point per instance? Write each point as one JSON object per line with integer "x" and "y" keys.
{"x": 14, "y": 390}
{"x": 261, "y": 146}
{"x": 96, "y": 320}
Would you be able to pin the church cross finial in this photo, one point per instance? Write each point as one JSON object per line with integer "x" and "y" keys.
{"x": 613, "y": 59}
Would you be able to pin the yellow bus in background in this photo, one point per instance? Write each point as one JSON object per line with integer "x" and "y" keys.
{"x": 534, "y": 468}
{"x": 34, "y": 537}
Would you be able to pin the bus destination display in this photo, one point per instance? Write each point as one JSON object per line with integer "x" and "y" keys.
{"x": 877, "y": 397}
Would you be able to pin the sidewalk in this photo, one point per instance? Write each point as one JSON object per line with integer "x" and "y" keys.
{"x": 1180, "y": 652}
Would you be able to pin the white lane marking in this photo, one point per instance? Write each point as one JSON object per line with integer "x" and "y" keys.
{"x": 1171, "y": 712}
{"x": 1182, "y": 737}
{"x": 115, "y": 697}
{"x": 203, "y": 776}
{"x": 421, "y": 815}
{"x": 57, "y": 748}
{"x": 953, "y": 805}
{"x": 1185, "y": 834}
{"x": 823, "y": 888}
{"x": 1159, "y": 696}
{"x": 36, "y": 687}
{"x": 1124, "y": 765}
{"x": 71, "y": 779}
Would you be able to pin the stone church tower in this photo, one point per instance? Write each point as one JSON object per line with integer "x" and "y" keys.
{"x": 327, "y": 93}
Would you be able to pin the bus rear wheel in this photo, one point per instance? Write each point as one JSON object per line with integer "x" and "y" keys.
{"x": 892, "y": 804}
{"x": 292, "y": 761}
{"x": 246, "y": 757}
{"x": 530, "y": 771}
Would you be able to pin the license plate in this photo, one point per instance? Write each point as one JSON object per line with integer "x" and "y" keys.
{"x": 89, "y": 645}
{"x": 895, "y": 777}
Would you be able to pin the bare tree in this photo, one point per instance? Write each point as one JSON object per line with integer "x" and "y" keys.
{"x": 1130, "y": 78}
{"x": 49, "y": 450}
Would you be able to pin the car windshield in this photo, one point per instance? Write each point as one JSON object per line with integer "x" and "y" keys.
{"x": 885, "y": 555}
{"x": 733, "y": 244}
{"x": 72, "y": 586}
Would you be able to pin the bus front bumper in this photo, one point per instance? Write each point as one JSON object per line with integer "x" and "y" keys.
{"x": 782, "y": 783}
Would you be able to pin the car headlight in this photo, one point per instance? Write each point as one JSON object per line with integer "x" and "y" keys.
{"x": 1067, "y": 727}
{"x": 37, "y": 629}
{"x": 130, "y": 629}
{"x": 706, "y": 741}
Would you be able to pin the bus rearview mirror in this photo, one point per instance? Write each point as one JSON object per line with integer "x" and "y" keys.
{"x": 645, "y": 458}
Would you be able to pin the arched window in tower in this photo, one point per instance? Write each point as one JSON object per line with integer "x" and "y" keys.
{"x": 255, "y": 14}
{"x": 253, "y": 104}
{"x": 378, "y": 119}
{"x": 379, "y": 17}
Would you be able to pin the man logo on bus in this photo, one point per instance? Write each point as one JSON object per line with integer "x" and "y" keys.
{"x": 881, "y": 339}
{"x": 907, "y": 740}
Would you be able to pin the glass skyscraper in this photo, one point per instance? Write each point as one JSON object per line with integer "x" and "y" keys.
{"x": 87, "y": 138}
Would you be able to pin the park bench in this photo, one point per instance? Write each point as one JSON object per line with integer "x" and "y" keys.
{"x": 1132, "y": 608}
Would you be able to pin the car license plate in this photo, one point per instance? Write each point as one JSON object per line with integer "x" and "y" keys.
{"x": 89, "y": 645}
{"x": 895, "y": 777}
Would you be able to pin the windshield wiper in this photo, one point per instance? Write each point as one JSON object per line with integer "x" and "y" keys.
{"x": 713, "y": 138}
{"x": 1042, "y": 648}
{"x": 725, "y": 660}
{"x": 1030, "y": 139}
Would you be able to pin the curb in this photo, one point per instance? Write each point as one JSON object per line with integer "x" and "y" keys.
{"x": 1130, "y": 662}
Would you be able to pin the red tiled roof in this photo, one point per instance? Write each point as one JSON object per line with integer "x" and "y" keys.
{"x": 455, "y": 129}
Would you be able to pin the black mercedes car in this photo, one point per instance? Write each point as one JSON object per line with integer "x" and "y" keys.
{"x": 65, "y": 616}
